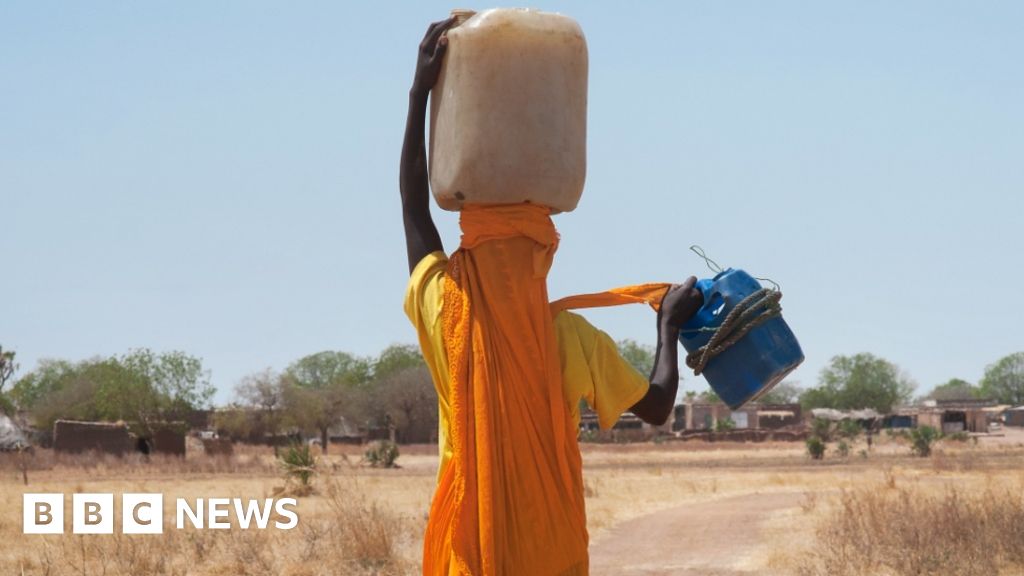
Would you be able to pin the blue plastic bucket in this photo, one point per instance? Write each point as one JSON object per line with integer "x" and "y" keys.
{"x": 755, "y": 363}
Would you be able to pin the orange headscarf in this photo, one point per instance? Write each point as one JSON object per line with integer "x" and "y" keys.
{"x": 511, "y": 500}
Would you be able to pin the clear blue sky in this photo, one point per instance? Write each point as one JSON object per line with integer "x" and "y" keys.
{"x": 221, "y": 177}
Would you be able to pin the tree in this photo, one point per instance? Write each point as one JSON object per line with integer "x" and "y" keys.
{"x": 150, "y": 390}
{"x": 320, "y": 389}
{"x": 407, "y": 400}
{"x": 234, "y": 422}
{"x": 141, "y": 388}
{"x": 396, "y": 358}
{"x": 860, "y": 381}
{"x": 955, "y": 389}
{"x": 640, "y": 356}
{"x": 1004, "y": 380}
{"x": 59, "y": 389}
{"x": 263, "y": 392}
{"x": 325, "y": 369}
{"x": 785, "y": 392}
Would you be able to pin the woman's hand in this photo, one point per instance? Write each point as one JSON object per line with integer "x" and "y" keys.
{"x": 680, "y": 303}
{"x": 431, "y": 54}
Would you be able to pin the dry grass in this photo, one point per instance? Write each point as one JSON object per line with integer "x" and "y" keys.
{"x": 345, "y": 529}
{"x": 911, "y": 530}
{"x": 371, "y": 521}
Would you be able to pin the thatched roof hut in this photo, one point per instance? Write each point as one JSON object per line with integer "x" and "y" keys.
{"x": 11, "y": 437}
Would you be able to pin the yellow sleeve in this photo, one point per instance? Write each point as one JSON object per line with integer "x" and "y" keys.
{"x": 593, "y": 369}
{"x": 423, "y": 299}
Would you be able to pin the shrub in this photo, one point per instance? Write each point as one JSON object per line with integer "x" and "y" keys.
{"x": 724, "y": 425}
{"x": 822, "y": 429}
{"x": 843, "y": 449}
{"x": 922, "y": 439}
{"x": 382, "y": 454}
{"x": 298, "y": 462}
{"x": 849, "y": 429}
{"x": 816, "y": 448}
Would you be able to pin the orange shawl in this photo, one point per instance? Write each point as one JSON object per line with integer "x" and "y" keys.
{"x": 510, "y": 502}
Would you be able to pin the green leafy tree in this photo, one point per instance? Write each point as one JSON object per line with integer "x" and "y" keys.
{"x": 142, "y": 388}
{"x": 860, "y": 381}
{"x": 150, "y": 390}
{"x": 59, "y": 389}
{"x": 48, "y": 377}
{"x": 640, "y": 356}
{"x": 955, "y": 389}
{"x": 1004, "y": 380}
{"x": 321, "y": 389}
{"x": 396, "y": 358}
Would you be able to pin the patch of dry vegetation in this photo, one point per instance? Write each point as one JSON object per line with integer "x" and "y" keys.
{"x": 344, "y": 529}
{"x": 911, "y": 530}
{"x": 958, "y": 512}
{"x": 352, "y": 534}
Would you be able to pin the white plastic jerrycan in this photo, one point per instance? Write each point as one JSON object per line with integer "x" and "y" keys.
{"x": 508, "y": 115}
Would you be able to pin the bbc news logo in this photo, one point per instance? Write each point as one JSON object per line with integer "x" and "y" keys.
{"x": 144, "y": 513}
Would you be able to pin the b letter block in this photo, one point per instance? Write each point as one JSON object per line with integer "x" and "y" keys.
{"x": 43, "y": 513}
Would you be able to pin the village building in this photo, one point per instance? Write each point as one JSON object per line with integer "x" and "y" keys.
{"x": 12, "y": 438}
{"x": 1014, "y": 416}
{"x": 706, "y": 416}
{"x": 75, "y": 437}
{"x": 115, "y": 438}
{"x": 948, "y": 416}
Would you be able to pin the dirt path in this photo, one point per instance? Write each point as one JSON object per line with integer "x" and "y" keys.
{"x": 707, "y": 539}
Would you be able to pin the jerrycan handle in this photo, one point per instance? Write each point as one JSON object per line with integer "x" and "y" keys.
{"x": 705, "y": 316}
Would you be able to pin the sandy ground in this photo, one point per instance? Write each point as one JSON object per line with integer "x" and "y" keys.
{"x": 713, "y": 538}
{"x": 759, "y": 509}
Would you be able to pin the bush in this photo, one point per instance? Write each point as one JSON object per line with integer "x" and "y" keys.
{"x": 298, "y": 463}
{"x": 822, "y": 428}
{"x": 382, "y": 454}
{"x": 849, "y": 429}
{"x": 843, "y": 449}
{"x": 725, "y": 425}
{"x": 922, "y": 439}
{"x": 816, "y": 448}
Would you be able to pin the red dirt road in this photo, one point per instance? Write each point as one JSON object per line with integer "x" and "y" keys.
{"x": 706, "y": 539}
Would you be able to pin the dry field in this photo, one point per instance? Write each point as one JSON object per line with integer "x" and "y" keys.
{"x": 672, "y": 508}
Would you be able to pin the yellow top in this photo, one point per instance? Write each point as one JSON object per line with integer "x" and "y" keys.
{"x": 592, "y": 367}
